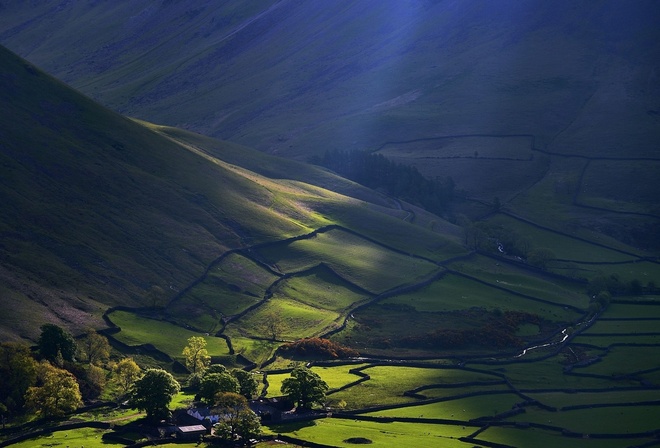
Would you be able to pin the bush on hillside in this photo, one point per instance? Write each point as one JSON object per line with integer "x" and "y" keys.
{"x": 317, "y": 347}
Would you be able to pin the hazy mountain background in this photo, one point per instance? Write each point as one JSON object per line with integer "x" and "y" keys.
{"x": 297, "y": 78}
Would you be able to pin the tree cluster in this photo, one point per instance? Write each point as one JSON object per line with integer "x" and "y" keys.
{"x": 317, "y": 348}
{"x": 54, "y": 379}
{"x": 398, "y": 180}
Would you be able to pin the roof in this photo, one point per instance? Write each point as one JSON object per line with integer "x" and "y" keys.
{"x": 192, "y": 428}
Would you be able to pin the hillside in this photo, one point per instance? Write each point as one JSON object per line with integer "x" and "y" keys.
{"x": 99, "y": 210}
{"x": 532, "y": 102}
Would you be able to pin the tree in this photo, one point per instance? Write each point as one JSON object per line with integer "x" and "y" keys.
{"x": 55, "y": 342}
{"x": 247, "y": 384}
{"x": 236, "y": 418}
{"x": 304, "y": 387}
{"x": 273, "y": 326}
{"x": 18, "y": 371}
{"x": 56, "y": 394}
{"x": 125, "y": 374}
{"x": 215, "y": 383}
{"x": 94, "y": 348}
{"x": 197, "y": 357}
{"x": 153, "y": 393}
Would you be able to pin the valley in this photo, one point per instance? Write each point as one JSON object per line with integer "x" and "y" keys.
{"x": 447, "y": 211}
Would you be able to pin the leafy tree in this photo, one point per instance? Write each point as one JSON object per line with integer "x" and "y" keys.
{"x": 54, "y": 342}
{"x": 94, "y": 348}
{"x": 247, "y": 384}
{"x": 215, "y": 383}
{"x": 304, "y": 387}
{"x": 273, "y": 326}
{"x": 215, "y": 368}
{"x": 57, "y": 392}
{"x": 18, "y": 371}
{"x": 236, "y": 418}
{"x": 197, "y": 357}
{"x": 153, "y": 393}
{"x": 125, "y": 374}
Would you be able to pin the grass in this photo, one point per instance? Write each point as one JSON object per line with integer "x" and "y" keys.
{"x": 624, "y": 327}
{"x": 388, "y": 383}
{"x": 294, "y": 319}
{"x": 563, "y": 399}
{"x": 320, "y": 288}
{"x": 167, "y": 337}
{"x": 605, "y": 420}
{"x": 87, "y": 437}
{"x": 522, "y": 438}
{"x": 564, "y": 247}
{"x": 359, "y": 261}
{"x": 453, "y": 292}
{"x": 621, "y": 361}
{"x": 235, "y": 284}
{"x": 459, "y": 409}
{"x": 523, "y": 281}
{"x": 406, "y": 435}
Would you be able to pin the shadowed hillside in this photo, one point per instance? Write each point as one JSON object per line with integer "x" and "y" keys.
{"x": 99, "y": 210}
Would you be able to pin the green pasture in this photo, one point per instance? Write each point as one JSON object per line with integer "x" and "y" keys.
{"x": 459, "y": 409}
{"x": 275, "y": 383}
{"x": 454, "y": 391}
{"x": 294, "y": 320}
{"x": 564, "y": 247}
{"x": 606, "y": 341}
{"x": 626, "y": 186}
{"x": 523, "y": 281}
{"x": 366, "y": 264}
{"x": 388, "y": 383}
{"x": 623, "y": 360}
{"x": 630, "y": 311}
{"x": 337, "y": 376}
{"x": 334, "y": 432}
{"x": 454, "y": 292}
{"x": 624, "y": 327}
{"x": 532, "y": 437}
{"x": 83, "y": 437}
{"x": 256, "y": 350}
{"x": 563, "y": 399}
{"x": 166, "y": 337}
{"x": 230, "y": 287}
{"x": 319, "y": 288}
{"x": 603, "y": 420}
{"x": 643, "y": 271}
{"x": 542, "y": 374}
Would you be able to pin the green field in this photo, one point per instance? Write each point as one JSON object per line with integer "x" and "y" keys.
{"x": 453, "y": 292}
{"x": 368, "y": 265}
{"x": 506, "y": 275}
{"x": 564, "y": 247}
{"x": 459, "y": 409}
{"x": 523, "y": 438}
{"x": 335, "y": 431}
{"x": 167, "y": 337}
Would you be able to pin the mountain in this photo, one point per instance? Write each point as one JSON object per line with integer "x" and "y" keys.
{"x": 101, "y": 210}
{"x": 286, "y": 76}
{"x": 529, "y": 102}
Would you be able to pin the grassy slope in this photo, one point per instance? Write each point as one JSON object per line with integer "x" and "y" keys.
{"x": 298, "y": 78}
{"x": 98, "y": 209}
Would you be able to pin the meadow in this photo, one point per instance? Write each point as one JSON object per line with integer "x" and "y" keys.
{"x": 165, "y": 336}
{"x": 366, "y": 264}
